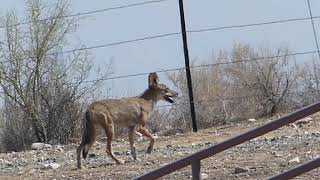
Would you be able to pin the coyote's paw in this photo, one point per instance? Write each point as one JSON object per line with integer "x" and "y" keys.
{"x": 149, "y": 150}
{"x": 80, "y": 167}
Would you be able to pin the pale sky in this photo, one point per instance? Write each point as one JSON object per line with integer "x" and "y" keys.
{"x": 163, "y": 17}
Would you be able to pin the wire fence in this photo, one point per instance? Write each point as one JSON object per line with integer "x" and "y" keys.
{"x": 90, "y": 12}
{"x": 310, "y": 18}
{"x": 151, "y": 37}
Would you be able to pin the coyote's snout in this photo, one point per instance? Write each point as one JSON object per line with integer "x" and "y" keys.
{"x": 130, "y": 112}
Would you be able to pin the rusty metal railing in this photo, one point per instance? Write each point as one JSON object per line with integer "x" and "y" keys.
{"x": 195, "y": 158}
{"x": 294, "y": 172}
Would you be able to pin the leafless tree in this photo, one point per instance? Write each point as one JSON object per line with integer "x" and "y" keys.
{"x": 240, "y": 84}
{"x": 37, "y": 78}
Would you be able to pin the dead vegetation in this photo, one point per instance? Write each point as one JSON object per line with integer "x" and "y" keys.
{"x": 43, "y": 89}
{"x": 244, "y": 83}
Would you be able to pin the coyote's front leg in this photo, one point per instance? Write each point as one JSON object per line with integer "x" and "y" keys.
{"x": 146, "y": 133}
{"x": 131, "y": 141}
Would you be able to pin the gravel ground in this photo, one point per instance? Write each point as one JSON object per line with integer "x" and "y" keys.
{"x": 257, "y": 159}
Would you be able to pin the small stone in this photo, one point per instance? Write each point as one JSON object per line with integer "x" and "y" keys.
{"x": 204, "y": 176}
{"x": 139, "y": 139}
{"x": 41, "y": 158}
{"x": 252, "y": 120}
{"x": 156, "y": 136}
{"x": 103, "y": 139}
{"x": 238, "y": 170}
{"x": 147, "y": 164}
{"x": 51, "y": 166}
{"x": 92, "y": 155}
{"x": 39, "y": 146}
{"x": 54, "y": 165}
{"x": 305, "y": 120}
{"x": 294, "y": 160}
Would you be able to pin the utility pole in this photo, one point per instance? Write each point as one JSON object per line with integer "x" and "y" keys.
{"x": 187, "y": 66}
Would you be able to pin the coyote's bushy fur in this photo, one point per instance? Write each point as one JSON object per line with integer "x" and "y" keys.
{"x": 132, "y": 113}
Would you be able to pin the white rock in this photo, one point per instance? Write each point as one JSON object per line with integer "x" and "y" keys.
{"x": 204, "y": 176}
{"x": 294, "y": 160}
{"x": 54, "y": 165}
{"x": 39, "y": 146}
{"x": 140, "y": 139}
{"x": 51, "y": 166}
{"x": 252, "y": 120}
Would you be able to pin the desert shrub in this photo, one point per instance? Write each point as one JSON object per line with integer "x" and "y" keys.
{"x": 44, "y": 89}
{"x": 239, "y": 84}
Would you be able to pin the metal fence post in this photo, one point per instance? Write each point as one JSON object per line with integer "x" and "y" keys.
{"x": 187, "y": 66}
{"x": 195, "y": 166}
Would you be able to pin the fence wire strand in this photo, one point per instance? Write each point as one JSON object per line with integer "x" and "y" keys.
{"x": 91, "y": 12}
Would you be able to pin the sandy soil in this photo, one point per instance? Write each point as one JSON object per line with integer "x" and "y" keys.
{"x": 262, "y": 157}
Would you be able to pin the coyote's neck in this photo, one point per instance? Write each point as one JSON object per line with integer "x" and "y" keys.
{"x": 150, "y": 96}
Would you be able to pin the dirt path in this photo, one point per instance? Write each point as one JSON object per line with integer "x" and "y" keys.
{"x": 261, "y": 157}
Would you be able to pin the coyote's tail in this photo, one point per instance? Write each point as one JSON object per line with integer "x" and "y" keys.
{"x": 88, "y": 137}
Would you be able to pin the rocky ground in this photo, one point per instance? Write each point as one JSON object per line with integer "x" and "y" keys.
{"x": 257, "y": 159}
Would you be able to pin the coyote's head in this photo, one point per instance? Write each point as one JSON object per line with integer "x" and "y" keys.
{"x": 161, "y": 90}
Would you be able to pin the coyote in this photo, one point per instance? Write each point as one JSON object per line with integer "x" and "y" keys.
{"x": 132, "y": 112}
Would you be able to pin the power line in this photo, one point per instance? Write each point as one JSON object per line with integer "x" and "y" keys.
{"x": 177, "y": 33}
{"x": 107, "y": 45}
{"x": 132, "y": 75}
{"x": 256, "y": 59}
{"x": 120, "y": 42}
{"x": 314, "y": 29}
{"x": 171, "y": 34}
{"x": 91, "y": 12}
{"x": 252, "y": 24}
{"x": 202, "y": 65}
{"x": 197, "y": 102}
{"x": 116, "y": 8}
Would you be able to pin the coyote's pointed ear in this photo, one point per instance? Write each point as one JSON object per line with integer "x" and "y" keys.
{"x": 153, "y": 80}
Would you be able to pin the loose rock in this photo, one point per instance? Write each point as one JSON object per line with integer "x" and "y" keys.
{"x": 40, "y": 146}
{"x": 252, "y": 120}
{"x": 204, "y": 176}
{"x": 294, "y": 160}
{"x": 241, "y": 170}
